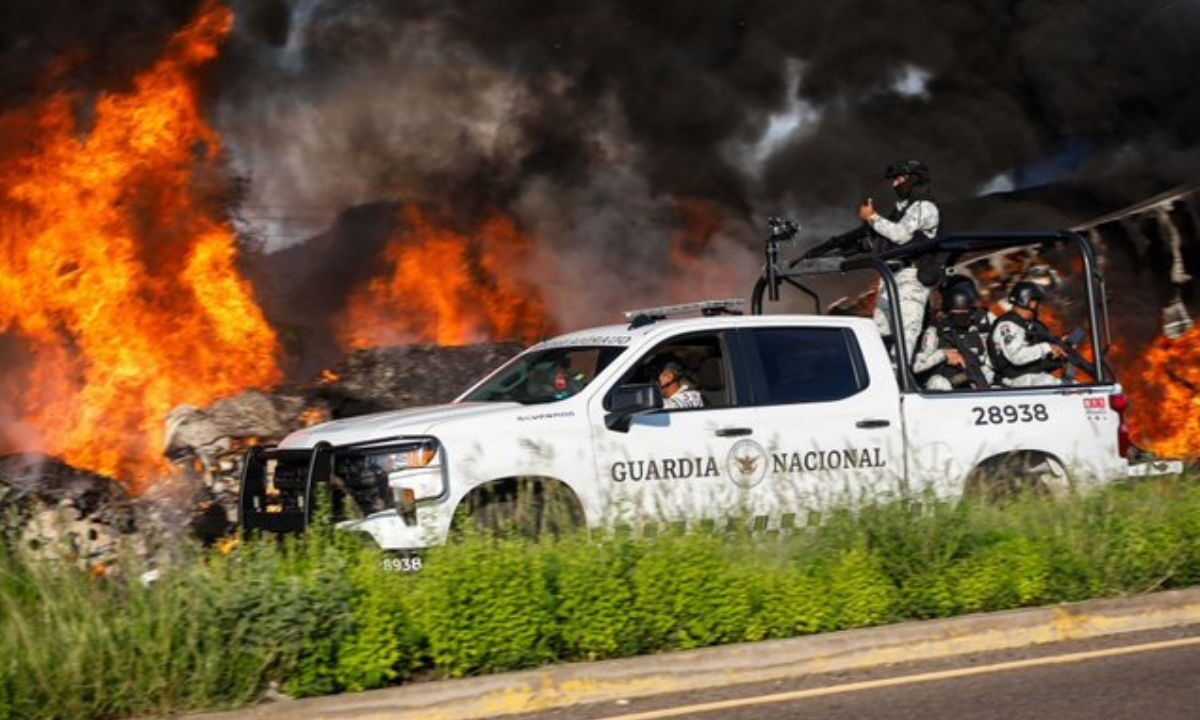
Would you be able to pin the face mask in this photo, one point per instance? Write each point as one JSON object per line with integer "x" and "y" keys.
{"x": 960, "y": 319}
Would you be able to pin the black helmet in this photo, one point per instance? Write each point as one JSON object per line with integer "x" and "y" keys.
{"x": 915, "y": 168}
{"x": 1024, "y": 293}
{"x": 959, "y": 293}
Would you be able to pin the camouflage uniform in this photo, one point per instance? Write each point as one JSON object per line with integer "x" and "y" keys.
{"x": 685, "y": 397}
{"x": 931, "y": 355}
{"x": 918, "y": 219}
{"x": 1018, "y": 362}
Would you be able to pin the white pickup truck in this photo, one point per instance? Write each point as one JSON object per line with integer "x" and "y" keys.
{"x": 799, "y": 411}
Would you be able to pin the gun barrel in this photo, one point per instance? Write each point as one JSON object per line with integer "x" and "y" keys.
{"x": 840, "y": 243}
{"x": 1068, "y": 344}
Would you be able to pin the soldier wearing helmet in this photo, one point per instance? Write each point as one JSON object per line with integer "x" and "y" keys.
{"x": 915, "y": 217}
{"x": 1017, "y": 360}
{"x": 953, "y": 351}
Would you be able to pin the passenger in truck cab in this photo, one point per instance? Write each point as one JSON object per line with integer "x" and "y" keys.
{"x": 566, "y": 382}
{"x": 677, "y": 391}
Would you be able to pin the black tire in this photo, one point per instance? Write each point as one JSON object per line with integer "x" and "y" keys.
{"x": 1007, "y": 477}
{"x": 533, "y": 508}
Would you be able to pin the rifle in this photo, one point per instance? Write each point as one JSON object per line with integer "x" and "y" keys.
{"x": 847, "y": 243}
{"x": 970, "y": 362}
{"x": 1074, "y": 357}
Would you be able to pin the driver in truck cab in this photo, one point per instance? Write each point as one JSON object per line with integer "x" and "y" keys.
{"x": 1018, "y": 360}
{"x": 677, "y": 392}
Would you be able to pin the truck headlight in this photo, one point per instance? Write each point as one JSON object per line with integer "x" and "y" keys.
{"x": 394, "y": 475}
{"x": 413, "y": 472}
{"x": 411, "y": 487}
{"x": 405, "y": 458}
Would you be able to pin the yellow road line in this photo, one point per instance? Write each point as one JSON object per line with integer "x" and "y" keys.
{"x": 907, "y": 680}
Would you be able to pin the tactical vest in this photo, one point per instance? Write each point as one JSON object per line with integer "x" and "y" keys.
{"x": 1000, "y": 362}
{"x": 973, "y": 337}
{"x": 929, "y": 267}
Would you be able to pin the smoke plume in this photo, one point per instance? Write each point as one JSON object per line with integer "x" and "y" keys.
{"x": 591, "y": 122}
{"x": 598, "y": 125}
{"x": 84, "y": 46}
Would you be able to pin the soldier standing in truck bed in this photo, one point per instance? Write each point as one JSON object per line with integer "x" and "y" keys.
{"x": 915, "y": 217}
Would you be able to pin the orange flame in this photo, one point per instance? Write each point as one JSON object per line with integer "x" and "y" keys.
{"x": 447, "y": 288}
{"x": 313, "y": 416}
{"x": 1164, "y": 390}
{"x": 699, "y": 221}
{"x": 120, "y": 282}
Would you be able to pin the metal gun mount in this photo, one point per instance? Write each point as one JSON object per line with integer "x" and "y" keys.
{"x": 782, "y": 229}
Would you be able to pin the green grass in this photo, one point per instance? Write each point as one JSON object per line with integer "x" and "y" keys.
{"x": 322, "y": 615}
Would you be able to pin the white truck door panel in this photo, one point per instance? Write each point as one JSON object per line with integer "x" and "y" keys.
{"x": 829, "y": 417}
{"x": 680, "y": 464}
{"x": 673, "y": 465}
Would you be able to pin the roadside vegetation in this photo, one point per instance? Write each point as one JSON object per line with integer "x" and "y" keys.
{"x": 326, "y": 614}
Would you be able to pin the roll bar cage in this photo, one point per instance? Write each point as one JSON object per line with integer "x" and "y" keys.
{"x": 949, "y": 250}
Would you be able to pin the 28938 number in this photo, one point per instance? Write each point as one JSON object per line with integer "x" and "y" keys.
{"x": 1007, "y": 414}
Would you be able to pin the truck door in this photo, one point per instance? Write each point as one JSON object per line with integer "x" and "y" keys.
{"x": 829, "y": 430}
{"x": 682, "y": 463}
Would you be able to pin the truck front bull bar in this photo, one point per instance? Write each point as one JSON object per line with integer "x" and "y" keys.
{"x": 278, "y": 485}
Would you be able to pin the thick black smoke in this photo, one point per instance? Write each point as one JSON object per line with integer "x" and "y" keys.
{"x": 977, "y": 89}
{"x": 591, "y": 121}
{"x": 81, "y": 45}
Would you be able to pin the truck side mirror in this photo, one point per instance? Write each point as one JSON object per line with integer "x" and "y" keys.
{"x": 629, "y": 401}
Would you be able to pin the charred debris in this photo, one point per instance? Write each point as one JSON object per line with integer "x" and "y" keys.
{"x": 51, "y": 507}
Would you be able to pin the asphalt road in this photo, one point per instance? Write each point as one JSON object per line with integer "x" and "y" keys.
{"x": 1142, "y": 676}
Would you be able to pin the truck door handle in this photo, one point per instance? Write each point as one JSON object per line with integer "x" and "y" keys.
{"x": 734, "y": 432}
{"x": 869, "y": 424}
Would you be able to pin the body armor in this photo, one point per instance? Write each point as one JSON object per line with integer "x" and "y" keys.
{"x": 972, "y": 336}
{"x": 1000, "y": 362}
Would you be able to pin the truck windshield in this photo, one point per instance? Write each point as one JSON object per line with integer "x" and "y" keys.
{"x": 544, "y": 376}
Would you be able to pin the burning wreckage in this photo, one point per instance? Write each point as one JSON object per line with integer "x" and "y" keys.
{"x": 52, "y": 506}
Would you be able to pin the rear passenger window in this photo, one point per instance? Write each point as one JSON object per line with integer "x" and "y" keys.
{"x": 807, "y": 365}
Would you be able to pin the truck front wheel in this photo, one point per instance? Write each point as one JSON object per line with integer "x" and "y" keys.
{"x": 531, "y": 507}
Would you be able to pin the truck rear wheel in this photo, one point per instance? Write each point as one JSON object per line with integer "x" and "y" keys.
{"x": 527, "y": 507}
{"x": 1006, "y": 477}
